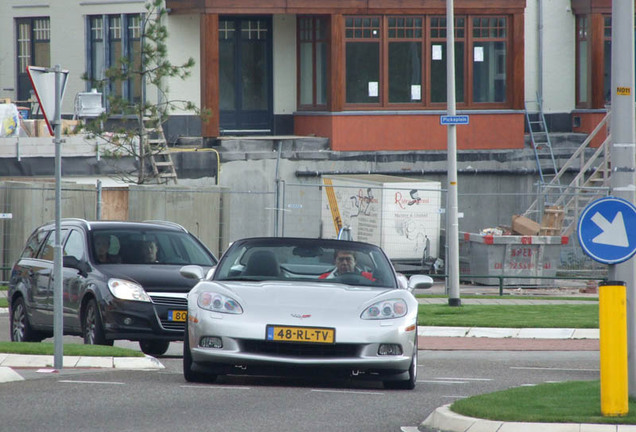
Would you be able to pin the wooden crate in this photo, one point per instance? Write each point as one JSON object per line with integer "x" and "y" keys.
{"x": 552, "y": 221}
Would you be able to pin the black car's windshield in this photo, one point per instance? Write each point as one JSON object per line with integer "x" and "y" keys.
{"x": 126, "y": 246}
{"x": 338, "y": 261}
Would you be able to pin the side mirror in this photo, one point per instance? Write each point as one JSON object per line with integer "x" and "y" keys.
{"x": 71, "y": 262}
{"x": 192, "y": 272}
{"x": 420, "y": 281}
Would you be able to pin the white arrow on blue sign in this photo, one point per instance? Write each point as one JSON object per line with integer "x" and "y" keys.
{"x": 453, "y": 119}
{"x": 607, "y": 230}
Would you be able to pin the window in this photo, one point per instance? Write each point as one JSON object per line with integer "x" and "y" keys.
{"x": 115, "y": 41}
{"x": 438, "y": 58}
{"x": 312, "y": 61}
{"x": 362, "y": 54}
{"x": 33, "y": 244}
{"x": 489, "y": 59}
{"x": 401, "y": 61}
{"x": 582, "y": 60}
{"x": 74, "y": 245}
{"x": 227, "y": 59}
{"x": 405, "y": 59}
{"x": 607, "y": 58}
{"x": 33, "y": 49}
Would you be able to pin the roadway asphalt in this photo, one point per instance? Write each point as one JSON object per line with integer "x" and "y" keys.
{"x": 430, "y": 338}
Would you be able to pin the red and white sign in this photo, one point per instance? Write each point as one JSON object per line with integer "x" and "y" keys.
{"x": 43, "y": 82}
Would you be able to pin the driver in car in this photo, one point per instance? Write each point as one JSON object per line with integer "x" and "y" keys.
{"x": 345, "y": 262}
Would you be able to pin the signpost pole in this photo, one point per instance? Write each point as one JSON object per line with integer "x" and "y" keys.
{"x": 452, "y": 228}
{"x": 58, "y": 325}
{"x": 622, "y": 153}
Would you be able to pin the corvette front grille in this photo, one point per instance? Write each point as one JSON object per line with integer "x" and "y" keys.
{"x": 300, "y": 349}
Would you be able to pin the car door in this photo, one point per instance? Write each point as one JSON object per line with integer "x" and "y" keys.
{"x": 44, "y": 279}
{"x": 74, "y": 282}
{"x": 40, "y": 274}
{"x": 30, "y": 271}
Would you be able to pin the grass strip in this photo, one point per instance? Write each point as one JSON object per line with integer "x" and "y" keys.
{"x": 565, "y": 402}
{"x": 547, "y": 299}
{"x": 510, "y": 316}
{"x": 47, "y": 348}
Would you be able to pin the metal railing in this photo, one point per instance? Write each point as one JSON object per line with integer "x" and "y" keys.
{"x": 502, "y": 278}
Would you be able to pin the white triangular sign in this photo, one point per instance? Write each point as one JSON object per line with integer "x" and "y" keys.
{"x": 43, "y": 82}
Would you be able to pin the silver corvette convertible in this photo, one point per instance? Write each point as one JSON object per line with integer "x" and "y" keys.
{"x": 292, "y": 306}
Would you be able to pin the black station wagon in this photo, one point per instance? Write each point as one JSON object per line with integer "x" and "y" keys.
{"x": 121, "y": 280}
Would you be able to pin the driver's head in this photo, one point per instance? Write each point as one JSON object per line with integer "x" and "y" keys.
{"x": 345, "y": 261}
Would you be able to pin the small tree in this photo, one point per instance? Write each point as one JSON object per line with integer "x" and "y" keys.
{"x": 140, "y": 119}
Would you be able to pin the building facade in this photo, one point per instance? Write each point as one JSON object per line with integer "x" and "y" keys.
{"x": 367, "y": 74}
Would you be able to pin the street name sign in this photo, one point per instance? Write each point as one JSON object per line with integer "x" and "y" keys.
{"x": 454, "y": 119}
{"x": 607, "y": 230}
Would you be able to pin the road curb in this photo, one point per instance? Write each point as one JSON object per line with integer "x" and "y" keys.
{"x": 508, "y": 333}
{"x": 445, "y": 419}
{"x": 46, "y": 361}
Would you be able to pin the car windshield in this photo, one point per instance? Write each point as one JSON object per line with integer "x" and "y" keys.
{"x": 128, "y": 246}
{"x": 288, "y": 259}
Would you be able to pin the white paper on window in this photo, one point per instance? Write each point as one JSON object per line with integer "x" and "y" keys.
{"x": 373, "y": 89}
{"x": 479, "y": 54}
{"x": 437, "y": 52}
{"x": 416, "y": 92}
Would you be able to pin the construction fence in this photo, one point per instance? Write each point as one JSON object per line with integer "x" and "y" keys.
{"x": 406, "y": 218}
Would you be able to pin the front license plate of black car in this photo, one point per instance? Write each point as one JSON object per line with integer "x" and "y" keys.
{"x": 177, "y": 315}
{"x": 300, "y": 334}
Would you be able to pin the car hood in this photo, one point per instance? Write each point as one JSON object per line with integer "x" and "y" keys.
{"x": 154, "y": 278}
{"x": 312, "y": 303}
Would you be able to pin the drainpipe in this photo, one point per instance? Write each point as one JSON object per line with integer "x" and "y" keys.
{"x": 278, "y": 180}
{"x": 540, "y": 52}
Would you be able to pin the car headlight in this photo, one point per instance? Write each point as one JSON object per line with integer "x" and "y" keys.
{"x": 127, "y": 290}
{"x": 385, "y": 309}
{"x": 218, "y": 303}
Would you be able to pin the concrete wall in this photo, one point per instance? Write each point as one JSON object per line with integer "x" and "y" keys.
{"x": 486, "y": 199}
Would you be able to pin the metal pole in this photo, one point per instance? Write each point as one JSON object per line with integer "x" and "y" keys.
{"x": 58, "y": 324}
{"x": 451, "y": 202}
{"x": 622, "y": 155}
{"x": 98, "y": 211}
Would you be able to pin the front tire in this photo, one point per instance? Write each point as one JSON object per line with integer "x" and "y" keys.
{"x": 92, "y": 326}
{"x": 154, "y": 347}
{"x": 188, "y": 373}
{"x": 21, "y": 330}
{"x": 407, "y": 384}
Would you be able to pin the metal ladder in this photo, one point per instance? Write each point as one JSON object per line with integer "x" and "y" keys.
{"x": 541, "y": 143}
{"x": 160, "y": 159}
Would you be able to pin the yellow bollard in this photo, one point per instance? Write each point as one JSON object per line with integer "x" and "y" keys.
{"x": 613, "y": 348}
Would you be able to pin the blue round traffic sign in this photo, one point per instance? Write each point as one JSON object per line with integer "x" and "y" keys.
{"x": 607, "y": 230}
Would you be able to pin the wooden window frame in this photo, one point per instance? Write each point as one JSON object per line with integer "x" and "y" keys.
{"x": 469, "y": 40}
{"x": 314, "y": 40}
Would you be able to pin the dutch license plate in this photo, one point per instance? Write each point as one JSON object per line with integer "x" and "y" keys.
{"x": 177, "y": 315}
{"x": 301, "y": 334}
